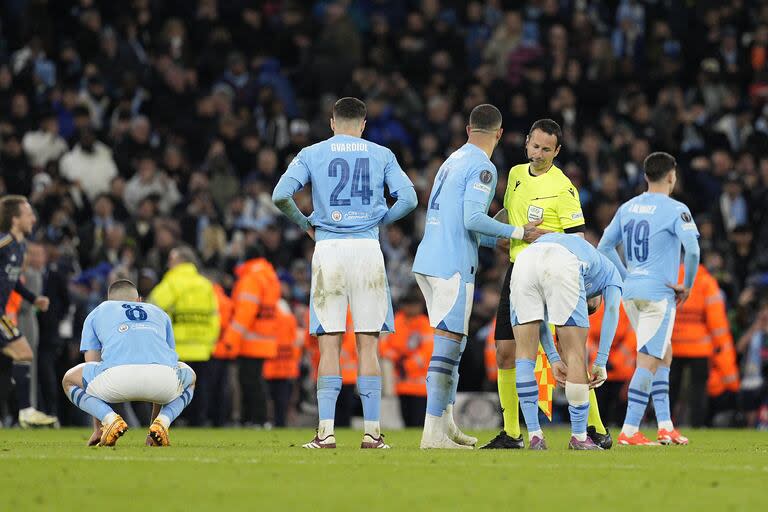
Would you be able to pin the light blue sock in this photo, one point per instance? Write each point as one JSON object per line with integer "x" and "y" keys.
{"x": 89, "y": 403}
{"x": 578, "y": 408}
{"x": 528, "y": 392}
{"x": 172, "y": 409}
{"x": 637, "y": 397}
{"x": 445, "y": 357}
{"x": 369, "y": 388}
{"x": 455, "y": 387}
{"x": 328, "y": 388}
{"x": 660, "y": 395}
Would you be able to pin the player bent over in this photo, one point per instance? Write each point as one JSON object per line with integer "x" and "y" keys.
{"x": 550, "y": 283}
{"x": 130, "y": 355}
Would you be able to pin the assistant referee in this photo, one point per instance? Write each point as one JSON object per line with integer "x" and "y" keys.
{"x": 536, "y": 191}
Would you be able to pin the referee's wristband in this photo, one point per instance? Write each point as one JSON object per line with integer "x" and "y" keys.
{"x": 517, "y": 233}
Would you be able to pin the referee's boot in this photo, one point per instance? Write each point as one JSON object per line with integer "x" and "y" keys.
{"x": 604, "y": 441}
{"x": 504, "y": 441}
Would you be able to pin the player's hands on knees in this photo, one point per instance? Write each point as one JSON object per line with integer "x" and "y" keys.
{"x": 531, "y": 232}
{"x": 598, "y": 375}
{"x": 681, "y": 293}
{"x": 42, "y": 303}
{"x": 560, "y": 372}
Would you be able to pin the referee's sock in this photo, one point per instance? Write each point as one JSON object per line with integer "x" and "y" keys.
{"x": 528, "y": 391}
{"x": 594, "y": 419}
{"x": 510, "y": 403}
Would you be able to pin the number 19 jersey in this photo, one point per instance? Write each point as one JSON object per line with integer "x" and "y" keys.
{"x": 348, "y": 176}
{"x": 651, "y": 227}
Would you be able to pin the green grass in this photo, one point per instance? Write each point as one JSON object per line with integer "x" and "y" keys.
{"x": 228, "y": 470}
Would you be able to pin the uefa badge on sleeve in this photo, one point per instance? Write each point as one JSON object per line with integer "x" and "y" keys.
{"x": 486, "y": 177}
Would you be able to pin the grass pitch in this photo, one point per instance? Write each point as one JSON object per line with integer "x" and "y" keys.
{"x": 227, "y": 470}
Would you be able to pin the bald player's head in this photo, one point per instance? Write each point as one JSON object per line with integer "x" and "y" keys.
{"x": 123, "y": 289}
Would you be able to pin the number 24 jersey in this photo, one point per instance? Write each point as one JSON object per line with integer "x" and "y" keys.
{"x": 651, "y": 227}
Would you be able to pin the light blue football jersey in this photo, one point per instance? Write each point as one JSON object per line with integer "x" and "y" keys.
{"x": 348, "y": 175}
{"x": 447, "y": 246}
{"x": 598, "y": 271}
{"x": 129, "y": 333}
{"x": 651, "y": 228}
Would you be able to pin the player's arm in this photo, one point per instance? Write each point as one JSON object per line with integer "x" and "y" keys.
{"x": 607, "y": 245}
{"x": 686, "y": 231}
{"x": 295, "y": 177}
{"x": 401, "y": 188}
{"x": 41, "y": 301}
{"x": 569, "y": 211}
{"x": 169, "y": 337}
{"x": 612, "y": 301}
{"x": 548, "y": 343}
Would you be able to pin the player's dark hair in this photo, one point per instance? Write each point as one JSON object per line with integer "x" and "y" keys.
{"x": 485, "y": 117}
{"x": 548, "y": 126}
{"x": 121, "y": 285}
{"x": 658, "y": 164}
{"x": 349, "y": 108}
{"x": 10, "y": 207}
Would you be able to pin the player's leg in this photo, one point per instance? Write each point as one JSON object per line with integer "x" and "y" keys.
{"x": 328, "y": 321}
{"x": 17, "y": 349}
{"x": 454, "y": 431}
{"x": 448, "y": 309}
{"x": 667, "y": 434}
{"x": 510, "y": 436}
{"x": 527, "y": 337}
{"x": 185, "y": 380}
{"x": 75, "y": 383}
{"x": 572, "y": 341}
{"x": 653, "y": 323}
{"x": 369, "y": 388}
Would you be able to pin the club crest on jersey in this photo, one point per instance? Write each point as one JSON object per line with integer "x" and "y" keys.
{"x": 535, "y": 213}
{"x": 486, "y": 176}
{"x": 122, "y": 328}
{"x": 686, "y": 217}
{"x": 336, "y": 216}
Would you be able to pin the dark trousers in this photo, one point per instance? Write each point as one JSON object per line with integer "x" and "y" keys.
{"x": 281, "y": 391}
{"x": 345, "y": 405}
{"x": 220, "y": 404}
{"x": 253, "y": 388}
{"x": 196, "y": 412}
{"x": 49, "y": 386}
{"x": 413, "y": 408}
{"x": 695, "y": 397}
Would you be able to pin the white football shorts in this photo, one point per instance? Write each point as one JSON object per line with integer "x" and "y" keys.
{"x": 547, "y": 284}
{"x": 349, "y": 273}
{"x": 154, "y": 383}
{"x": 449, "y": 301}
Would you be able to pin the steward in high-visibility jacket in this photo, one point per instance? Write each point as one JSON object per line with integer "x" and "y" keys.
{"x": 621, "y": 361}
{"x": 285, "y": 365}
{"x": 190, "y": 301}
{"x": 226, "y": 309}
{"x": 702, "y": 340}
{"x": 253, "y": 330}
{"x": 410, "y": 349}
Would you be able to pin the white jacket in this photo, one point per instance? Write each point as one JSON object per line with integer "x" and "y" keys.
{"x": 93, "y": 170}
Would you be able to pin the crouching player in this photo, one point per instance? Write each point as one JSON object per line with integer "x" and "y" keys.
{"x": 550, "y": 283}
{"x": 130, "y": 356}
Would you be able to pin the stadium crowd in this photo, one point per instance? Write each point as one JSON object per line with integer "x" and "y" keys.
{"x": 138, "y": 127}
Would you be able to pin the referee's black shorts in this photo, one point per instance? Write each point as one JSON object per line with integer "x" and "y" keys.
{"x": 503, "y": 315}
{"x": 8, "y": 331}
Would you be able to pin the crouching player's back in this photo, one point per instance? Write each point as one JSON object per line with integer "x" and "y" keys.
{"x": 129, "y": 356}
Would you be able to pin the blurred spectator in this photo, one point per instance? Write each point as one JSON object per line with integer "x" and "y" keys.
{"x": 89, "y": 164}
{"x": 44, "y": 145}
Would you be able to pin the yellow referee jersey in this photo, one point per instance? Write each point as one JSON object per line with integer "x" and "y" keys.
{"x": 550, "y": 196}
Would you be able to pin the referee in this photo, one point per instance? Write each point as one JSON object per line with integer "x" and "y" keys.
{"x": 536, "y": 191}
